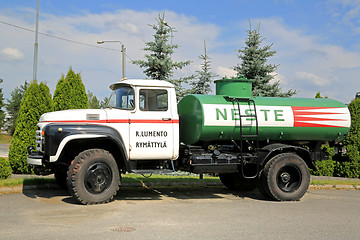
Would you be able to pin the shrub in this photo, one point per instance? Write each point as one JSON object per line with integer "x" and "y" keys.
{"x": 70, "y": 92}
{"x": 350, "y": 166}
{"x": 325, "y": 167}
{"x": 36, "y": 101}
{"x": 347, "y": 169}
{"x": 5, "y": 168}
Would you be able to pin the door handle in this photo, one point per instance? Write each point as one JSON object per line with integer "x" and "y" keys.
{"x": 166, "y": 119}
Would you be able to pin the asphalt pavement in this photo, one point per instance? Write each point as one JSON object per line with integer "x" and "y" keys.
{"x": 175, "y": 212}
{"x": 4, "y": 150}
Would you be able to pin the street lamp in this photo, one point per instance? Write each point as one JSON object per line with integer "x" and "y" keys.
{"x": 123, "y": 55}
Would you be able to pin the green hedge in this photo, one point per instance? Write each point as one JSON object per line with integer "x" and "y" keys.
{"x": 346, "y": 167}
{"x": 36, "y": 101}
{"x": 325, "y": 167}
{"x": 5, "y": 168}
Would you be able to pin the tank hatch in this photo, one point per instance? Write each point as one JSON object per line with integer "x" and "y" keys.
{"x": 235, "y": 87}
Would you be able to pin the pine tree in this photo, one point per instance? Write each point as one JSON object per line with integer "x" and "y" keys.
{"x": 254, "y": 66}
{"x": 104, "y": 102}
{"x": 158, "y": 64}
{"x": 70, "y": 92}
{"x": 203, "y": 84}
{"x": 318, "y": 95}
{"x": 37, "y": 100}
{"x": 13, "y": 106}
{"x": 93, "y": 101}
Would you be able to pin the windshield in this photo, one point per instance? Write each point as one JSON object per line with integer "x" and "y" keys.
{"x": 122, "y": 98}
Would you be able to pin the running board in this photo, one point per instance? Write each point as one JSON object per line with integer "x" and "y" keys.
{"x": 152, "y": 171}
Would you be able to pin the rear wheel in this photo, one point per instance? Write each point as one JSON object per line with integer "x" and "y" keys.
{"x": 234, "y": 181}
{"x": 93, "y": 177}
{"x": 285, "y": 177}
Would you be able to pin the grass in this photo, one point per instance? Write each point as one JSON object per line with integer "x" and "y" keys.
{"x": 5, "y": 138}
{"x": 25, "y": 181}
{"x": 334, "y": 182}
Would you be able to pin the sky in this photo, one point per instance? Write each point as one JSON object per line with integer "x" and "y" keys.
{"x": 316, "y": 42}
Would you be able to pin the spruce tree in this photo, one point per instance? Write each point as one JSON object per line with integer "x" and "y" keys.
{"x": 204, "y": 77}
{"x": 13, "y": 106}
{"x": 37, "y": 100}
{"x": 158, "y": 63}
{"x": 254, "y": 66}
{"x": 70, "y": 92}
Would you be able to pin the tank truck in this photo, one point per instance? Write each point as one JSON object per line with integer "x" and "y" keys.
{"x": 248, "y": 141}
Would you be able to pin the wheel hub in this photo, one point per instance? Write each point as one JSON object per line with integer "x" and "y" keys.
{"x": 98, "y": 178}
{"x": 285, "y": 177}
{"x": 289, "y": 178}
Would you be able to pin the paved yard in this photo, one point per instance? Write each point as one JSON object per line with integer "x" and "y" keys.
{"x": 180, "y": 213}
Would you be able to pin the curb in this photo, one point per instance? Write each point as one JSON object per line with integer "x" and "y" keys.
{"x": 335, "y": 187}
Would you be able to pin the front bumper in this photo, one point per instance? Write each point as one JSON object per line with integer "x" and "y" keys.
{"x": 34, "y": 157}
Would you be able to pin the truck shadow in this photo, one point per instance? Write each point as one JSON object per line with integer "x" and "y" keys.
{"x": 149, "y": 193}
{"x": 184, "y": 193}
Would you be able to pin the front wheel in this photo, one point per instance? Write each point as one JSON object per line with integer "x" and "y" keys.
{"x": 93, "y": 177}
{"x": 285, "y": 177}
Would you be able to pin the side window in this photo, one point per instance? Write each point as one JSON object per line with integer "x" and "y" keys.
{"x": 153, "y": 100}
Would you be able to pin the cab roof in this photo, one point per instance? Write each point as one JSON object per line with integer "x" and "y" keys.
{"x": 141, "y": 83}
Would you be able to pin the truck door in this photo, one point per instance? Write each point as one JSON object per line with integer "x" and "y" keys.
{"x": 153, "y": 125}
{"x": 121, "y": 105}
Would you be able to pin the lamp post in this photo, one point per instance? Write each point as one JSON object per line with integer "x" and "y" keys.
{"x": 36, "y": 45}
{"x": 123, "y": 55}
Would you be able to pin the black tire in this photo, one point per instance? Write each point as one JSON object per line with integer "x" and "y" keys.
{"x": 93, "y": 177}
{"x": 234, "y": 181}
{"x": 285, "y": 177}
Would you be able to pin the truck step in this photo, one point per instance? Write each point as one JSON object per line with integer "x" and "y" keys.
{"x": 149, "y": 171}
{"x": 250, "y": 136}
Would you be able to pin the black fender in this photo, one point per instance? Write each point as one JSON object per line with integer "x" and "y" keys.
{"x": 269, "y": 151}
{"x": 59, "y": 135}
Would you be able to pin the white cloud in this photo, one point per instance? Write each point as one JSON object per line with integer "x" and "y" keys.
{"x": 99, "y": 67}
{"x": 312, "y": 79}
{"x": 305, "y": 62}
{"x": 12, "y": 54}
{"x": 225, "y": 71}
{"x": 346, "y": 13}
{"x": 309, "y": 65}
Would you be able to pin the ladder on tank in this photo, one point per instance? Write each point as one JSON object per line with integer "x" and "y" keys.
{"x": 244, "y": 137}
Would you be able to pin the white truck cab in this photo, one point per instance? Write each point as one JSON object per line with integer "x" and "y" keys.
{"x": 142, "y": 112}
{"x": 149, "y": 110}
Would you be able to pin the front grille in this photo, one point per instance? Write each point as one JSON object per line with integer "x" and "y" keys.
{"x": 39, "y": 141}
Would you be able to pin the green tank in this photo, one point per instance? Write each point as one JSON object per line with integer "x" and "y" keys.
{"x": 205, "y": 118}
